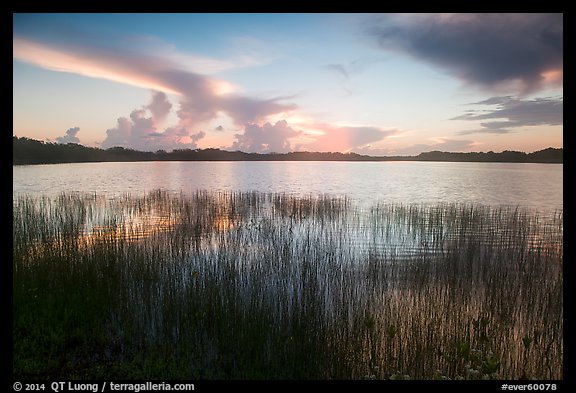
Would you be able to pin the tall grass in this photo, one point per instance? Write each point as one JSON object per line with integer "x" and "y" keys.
{"x": 248, "y": 285}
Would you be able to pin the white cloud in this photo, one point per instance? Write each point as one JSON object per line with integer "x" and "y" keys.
{"x": 70, "y": 136}
{"x": 267, "y": 138}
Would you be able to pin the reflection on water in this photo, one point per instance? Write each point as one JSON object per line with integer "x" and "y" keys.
{"x": 385, "y": 282}
{"x": 209, "y": 221}
{"x": 536, "y": 186}
{"x": 354, "y": 198}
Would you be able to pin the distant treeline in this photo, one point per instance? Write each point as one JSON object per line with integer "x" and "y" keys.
{"x": 28, "y": 151}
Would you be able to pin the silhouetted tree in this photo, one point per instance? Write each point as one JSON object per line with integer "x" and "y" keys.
{"x": 31, "y": 151}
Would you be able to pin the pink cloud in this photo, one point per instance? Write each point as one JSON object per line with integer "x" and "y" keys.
{"x": 202, "y": 98}
{"x": 140, "y": 130}
{"x": 267, "y": 138}
{"x": 282, "y": 137}
{"x": 345, "y": 138}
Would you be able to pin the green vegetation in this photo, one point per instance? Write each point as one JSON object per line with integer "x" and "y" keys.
{"x": 29, "y": 151}
{"x": 274, "y": 286}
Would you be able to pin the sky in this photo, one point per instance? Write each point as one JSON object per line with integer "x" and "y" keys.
{"x": 376, "y": 84}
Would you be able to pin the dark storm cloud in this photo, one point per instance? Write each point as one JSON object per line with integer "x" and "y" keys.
{"x": 523, "y": 52}
{"x": 511, "y": 112}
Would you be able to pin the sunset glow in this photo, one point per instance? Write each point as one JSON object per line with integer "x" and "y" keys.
{"x": 60, "y": 61}
{"x": 371, "y": 84}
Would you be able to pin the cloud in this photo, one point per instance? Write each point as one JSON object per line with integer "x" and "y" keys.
{"x": 522, "y": 53}
{"x": 159, "y": 107}
{"x": 443, "y": 144}
{"x": 512, "y": 112}
{"x": 281, "y": 137}
{"x": 346, "y": 71}
{"x": 70, "y": 136}
{"x": 125, "y": 60}
{"x": 200, "y": 64}
{"x": 202, "y": 97}
{"x": 354, "y": 67}
{"x": 140, "y": 131}
{"x": 119, "y": 136}
{"x": 266, "y": 139}
{"x": 247, "y": 110}
{"x": 344, "y": 138}
{"x": 338, "y": 69}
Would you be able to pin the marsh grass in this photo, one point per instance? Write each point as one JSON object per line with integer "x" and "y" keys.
{"x": 248, "y": 285}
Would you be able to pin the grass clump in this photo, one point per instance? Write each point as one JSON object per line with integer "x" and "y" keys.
{"x": 248, "y": 285}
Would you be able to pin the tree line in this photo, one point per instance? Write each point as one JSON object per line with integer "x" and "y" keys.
{"x": 28, "y": 151}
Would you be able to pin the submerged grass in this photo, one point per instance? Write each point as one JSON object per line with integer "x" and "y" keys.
{"x": 248, "y": 285}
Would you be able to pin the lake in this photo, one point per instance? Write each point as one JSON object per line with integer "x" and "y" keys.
{"x": 240, "y": 270}
{"x": 534, "y": 186}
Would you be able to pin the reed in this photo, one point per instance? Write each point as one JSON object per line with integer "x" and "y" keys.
{"x": 248, "y": 285}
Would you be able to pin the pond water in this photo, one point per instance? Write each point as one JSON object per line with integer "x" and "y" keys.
{"x": 534, "y": 186}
